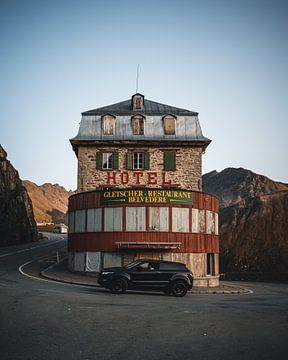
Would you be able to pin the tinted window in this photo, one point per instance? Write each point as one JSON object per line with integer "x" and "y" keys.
{"x": 150, "y": 265}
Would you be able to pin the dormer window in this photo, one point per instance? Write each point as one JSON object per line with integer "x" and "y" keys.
{"x": 108, "y": 124}
{"x": 169, "y": 124}
{"x": 137, "y": 122}
{"x": 137, "y": 102}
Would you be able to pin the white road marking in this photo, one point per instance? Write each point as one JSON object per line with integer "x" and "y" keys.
{"x": 20, "y": 269}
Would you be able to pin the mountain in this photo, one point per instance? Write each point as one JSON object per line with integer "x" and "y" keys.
{"x": 253, "y": 220}
{"x": 235, "y": 184}
{"x": 50, "y": 201}
{"x": 17, "y": 224}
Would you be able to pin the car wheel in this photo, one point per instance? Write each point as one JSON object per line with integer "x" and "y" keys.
{"x": 119, "y": 286}
{"x": 179, "y": 288}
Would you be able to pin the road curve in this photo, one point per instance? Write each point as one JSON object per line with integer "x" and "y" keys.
{"x": 47, "y": 320}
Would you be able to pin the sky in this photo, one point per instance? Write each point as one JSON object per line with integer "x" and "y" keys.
{"x": 226, "y": 59}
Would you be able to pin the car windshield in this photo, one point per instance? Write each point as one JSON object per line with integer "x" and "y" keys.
{"x": 132, "y": 264}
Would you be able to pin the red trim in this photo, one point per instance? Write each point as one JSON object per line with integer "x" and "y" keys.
{"x": 190, "y": 243}
{"x": 170, "y": 218}
{"x": 190, "y": 219}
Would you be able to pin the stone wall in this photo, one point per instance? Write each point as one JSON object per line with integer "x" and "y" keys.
{"x": 17, "y": 224}
{"x": 186, "y": 176}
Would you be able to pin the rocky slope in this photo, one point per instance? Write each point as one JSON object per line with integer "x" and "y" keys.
{"x": 235, "y": 184}
{"x": 253, "y": 220}
{"x": 49, "y": 201}
{"x": 17, "y": 224}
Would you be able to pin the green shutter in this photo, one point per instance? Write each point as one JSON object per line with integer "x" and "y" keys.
{"x": 146, "y": 160}
{"x": 115, "y": 160}
{"x": 99, "y": 160}
{"x": 129, "y": 160}
{"x": 170, "y": 160}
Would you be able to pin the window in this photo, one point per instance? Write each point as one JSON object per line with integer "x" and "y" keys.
{"x": 149, "y": 266}
{"x": 138, "y": 125}
{"x": 135, "y": 218}
{"x": 169, "y": 125}
{"x": 108, "y": 124}
{"x": 210, "y": 264}
{"x": 107, "y": 160}
{"x": 170, "y": 160}
{"x": 138, "y": 160}
{"x": 137, "y": 102}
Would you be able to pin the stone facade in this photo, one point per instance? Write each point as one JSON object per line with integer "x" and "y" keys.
{"x": 164, "y": 146}
{"x": 186, "y": 176}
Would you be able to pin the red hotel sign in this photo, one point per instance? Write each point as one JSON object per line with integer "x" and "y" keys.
{"x": 138, "y": 178}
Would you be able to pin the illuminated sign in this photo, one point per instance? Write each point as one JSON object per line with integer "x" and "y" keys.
{"x": 146, "y": 196}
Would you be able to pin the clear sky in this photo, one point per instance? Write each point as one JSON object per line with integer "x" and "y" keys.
{"x": 226, "y": 59}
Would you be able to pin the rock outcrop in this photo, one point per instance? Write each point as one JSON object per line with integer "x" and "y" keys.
{"x": 50, "y": 202}
{"x": 17, "y": 224}
{"x": 233, "y": 185}
{"x": 253, "y": 220}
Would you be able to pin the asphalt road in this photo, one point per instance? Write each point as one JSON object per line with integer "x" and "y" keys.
{"x": 47, "y": 320}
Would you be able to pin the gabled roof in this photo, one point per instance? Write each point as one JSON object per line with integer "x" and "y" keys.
{"x": 150, "y": 108}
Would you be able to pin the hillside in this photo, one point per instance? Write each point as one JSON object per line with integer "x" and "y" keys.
{"x": 253, "y": 220}
{"x": 49, "y": 201}
{"x": 17, "y": 224}
{"x": 233, "y": 185}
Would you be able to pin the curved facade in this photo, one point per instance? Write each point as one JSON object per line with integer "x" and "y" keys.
{"x": 107, "y": 229}
{"x": 140, "y": 190}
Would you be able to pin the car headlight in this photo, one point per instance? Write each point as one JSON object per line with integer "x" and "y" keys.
{"x": 107, "y": 272}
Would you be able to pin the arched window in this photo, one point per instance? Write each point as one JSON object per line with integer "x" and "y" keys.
{"x": 137, "y": 124}
{"x": 108, "y": 124}
{"x": 169, "y": 124}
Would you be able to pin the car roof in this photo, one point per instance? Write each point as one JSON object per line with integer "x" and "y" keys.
{"x": 160, "y": 261}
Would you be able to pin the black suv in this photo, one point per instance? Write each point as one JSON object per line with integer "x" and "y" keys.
{"x": 167, "y": 276}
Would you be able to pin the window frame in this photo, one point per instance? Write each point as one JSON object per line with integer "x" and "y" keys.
{"x": 210, "y": 264}
{"x": 165, "y": 127}
{"x": 138, "y": 160}
{"x": 107, "y": 160}
{"x": 141, "y": 126}
{"x": 130, "y": 160}
{"x": 105, "y": 127}
{"x": 99, "y": 160}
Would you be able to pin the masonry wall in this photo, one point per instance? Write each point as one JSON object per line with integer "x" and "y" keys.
{"x": 186, "y": 176}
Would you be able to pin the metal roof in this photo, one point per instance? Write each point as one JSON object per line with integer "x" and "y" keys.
{"x": 150, "y": 108}
{"x": 187, "y": 126}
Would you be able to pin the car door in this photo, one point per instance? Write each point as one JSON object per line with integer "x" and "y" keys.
{"x": 146, "y": 275}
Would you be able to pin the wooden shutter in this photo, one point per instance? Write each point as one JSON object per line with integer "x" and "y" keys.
{"x": 115, "y": 160}
{"x": 170, "y": 160}
{"x": 108, "y": 125}
{"x": 129, "y": 160}
{"x": 146, "y": 160}
{"x": 169, "y": 125}
{"x": 99, "y": 160}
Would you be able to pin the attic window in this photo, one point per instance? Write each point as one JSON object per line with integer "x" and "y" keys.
{"x": 108, "y": 124}
{"x": 169, "y": 124}
{"x": 138, "y": 125}
{"x": 138, "y": 102}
